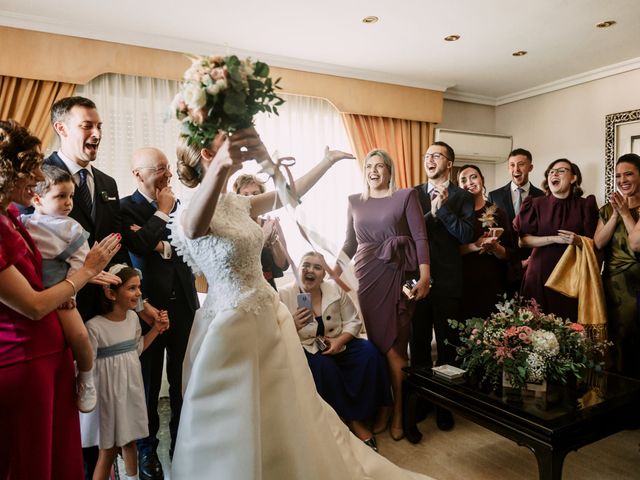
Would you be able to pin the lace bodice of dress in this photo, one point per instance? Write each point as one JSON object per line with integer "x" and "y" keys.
{"x": 229, "y": 257}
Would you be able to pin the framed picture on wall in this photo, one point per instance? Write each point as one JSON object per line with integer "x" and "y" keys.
{"x": 622, "y": 135}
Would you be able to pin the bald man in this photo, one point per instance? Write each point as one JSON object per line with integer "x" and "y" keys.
{"x": 168, "y": 284}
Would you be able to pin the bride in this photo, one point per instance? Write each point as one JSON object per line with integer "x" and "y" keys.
{"x": 251, "y": 410}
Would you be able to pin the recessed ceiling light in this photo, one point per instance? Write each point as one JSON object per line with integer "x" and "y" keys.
{"x": 370, "y": 19}
{"x": 606, "y": 24}
{"x": 451, "y": 38}
{"x": 519, "y": 53}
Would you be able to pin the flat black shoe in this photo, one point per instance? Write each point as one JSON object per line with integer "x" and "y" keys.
{"x": 371, "y": 442}
{"x": 150, "y": 467}
{"x": 444, "y": 419}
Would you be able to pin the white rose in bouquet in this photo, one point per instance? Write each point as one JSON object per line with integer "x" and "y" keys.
{"x": 194, "y": 96}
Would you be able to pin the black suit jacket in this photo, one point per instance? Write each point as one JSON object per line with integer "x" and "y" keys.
{"x": 451, "y": 227}
{"x": 104, "y": 219}
{"x": 160, "y": 277}
{"x": 502, "y": 198}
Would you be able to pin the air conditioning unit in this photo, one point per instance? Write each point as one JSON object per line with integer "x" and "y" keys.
{"x": 476, "y": 147}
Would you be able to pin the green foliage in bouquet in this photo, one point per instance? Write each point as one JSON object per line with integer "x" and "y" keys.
{"x": 223, "y": 94}
{"x": 526, "y": 344}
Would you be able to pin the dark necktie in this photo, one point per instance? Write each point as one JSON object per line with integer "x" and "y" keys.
{"x": 83, "y": 190}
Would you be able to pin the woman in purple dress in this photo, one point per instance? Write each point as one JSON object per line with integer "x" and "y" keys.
{"x": 485, "y": 260}
{"x": 387, "y": 234}
{"x": 548, "y": 224}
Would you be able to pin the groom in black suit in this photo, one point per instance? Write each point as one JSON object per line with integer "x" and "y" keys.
{"x": 449, "y": 216}
{"x": 509, "y": 198}
{"x": 168, "y": 283}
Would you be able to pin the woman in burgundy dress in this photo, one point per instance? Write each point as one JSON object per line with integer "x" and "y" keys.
{"x": 485, "y": 260}
{"x": 387, "y": 234}
{"x": 39, "y": 429}
{"x": 548, "y": 224}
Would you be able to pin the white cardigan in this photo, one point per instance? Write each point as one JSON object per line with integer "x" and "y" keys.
{"x": 338, "y": 313}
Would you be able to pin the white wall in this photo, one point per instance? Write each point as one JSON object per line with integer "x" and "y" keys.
{"x": 566, "y": 123}
{"x": 569, "y": 123}
{"x": 472, "y": 117}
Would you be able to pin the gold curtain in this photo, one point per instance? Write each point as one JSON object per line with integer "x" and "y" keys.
{"x": 29, "y": 102}
{"x": 405, "y": 140}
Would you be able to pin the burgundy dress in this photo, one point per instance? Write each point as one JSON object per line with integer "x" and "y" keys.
{"x": 389, "y": 239}
{"x": 484, "y": 276}
{"x": 544, "y": 216}
{"x": 40, "y": 431}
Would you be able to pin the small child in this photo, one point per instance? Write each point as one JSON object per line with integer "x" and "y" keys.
{"x": 63, "y": 244}
{"x": 121, "y": 414}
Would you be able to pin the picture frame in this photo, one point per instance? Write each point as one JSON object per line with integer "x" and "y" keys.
{"x": 622, "y": 135}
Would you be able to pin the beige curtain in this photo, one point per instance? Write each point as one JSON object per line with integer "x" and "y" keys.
{"x": 29, "y": 101}
{"x": 405, "y": 140}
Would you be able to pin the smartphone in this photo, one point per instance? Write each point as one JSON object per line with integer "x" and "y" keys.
{"x": 321, "y": 344}
{"x": 496, "y": 232}
{"x": 304, "y": 300}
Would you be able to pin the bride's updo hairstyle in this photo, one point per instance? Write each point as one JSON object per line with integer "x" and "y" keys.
{"x": 189, "y": 166}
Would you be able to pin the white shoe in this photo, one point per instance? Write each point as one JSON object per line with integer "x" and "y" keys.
{"x": 87, "y": 397}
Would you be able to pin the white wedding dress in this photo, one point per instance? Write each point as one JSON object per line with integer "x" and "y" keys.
{"x": 251, "y": 411}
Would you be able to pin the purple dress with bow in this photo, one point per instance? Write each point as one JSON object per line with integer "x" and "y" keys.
{"x": 389, "y": 239}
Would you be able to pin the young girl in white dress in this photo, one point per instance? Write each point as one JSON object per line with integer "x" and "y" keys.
{"x": 120, "y": 417}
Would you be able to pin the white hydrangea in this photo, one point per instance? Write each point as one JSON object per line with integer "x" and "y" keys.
{"x": 544, "y": 343}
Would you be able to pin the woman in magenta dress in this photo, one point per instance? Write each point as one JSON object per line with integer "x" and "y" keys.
{"x": 485, "y": 260}
{"x": 387, "y": 234}
{"x": 548, "y": 224}
{"x": 39, "y": 433}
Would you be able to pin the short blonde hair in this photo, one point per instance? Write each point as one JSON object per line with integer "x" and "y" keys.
{"x": 388, "y": 161}
{"x": 247, "y": 179}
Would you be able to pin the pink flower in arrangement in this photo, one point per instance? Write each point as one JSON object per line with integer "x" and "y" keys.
{"x": 218, "y": 73}
{"x": 576, "y": 327}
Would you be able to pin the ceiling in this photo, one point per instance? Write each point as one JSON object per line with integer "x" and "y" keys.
{"x": 404, "y": 47}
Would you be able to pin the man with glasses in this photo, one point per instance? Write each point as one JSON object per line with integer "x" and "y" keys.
{"x": 449, "y": 216}
{"x": 509, "y": 198}
{"x": 168, "y": 284}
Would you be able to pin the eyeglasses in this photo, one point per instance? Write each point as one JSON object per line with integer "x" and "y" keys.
{"x": 161, "y": 169}
{"x": 559, "y": 171}
{"x": 435, "y": 156}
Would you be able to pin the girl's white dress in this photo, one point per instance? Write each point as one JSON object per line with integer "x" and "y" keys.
{"x": 121, "y": 412}
{"x": 251, "y": 411}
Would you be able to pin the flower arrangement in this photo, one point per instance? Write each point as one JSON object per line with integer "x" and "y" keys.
{"x": 526, "y": 345}
{"x": 223, "y": 94}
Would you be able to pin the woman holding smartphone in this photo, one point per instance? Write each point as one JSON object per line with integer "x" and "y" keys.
{"x": 485, "y": 260}
{"x": 349, "y": 372}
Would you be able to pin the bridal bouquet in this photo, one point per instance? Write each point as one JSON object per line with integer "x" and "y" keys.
{"x": 525, "y": 345}
{"x": 223, "y": 94}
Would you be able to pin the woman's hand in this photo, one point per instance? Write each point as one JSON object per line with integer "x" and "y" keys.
{"x": 106, "y": 278}
{"x": 620, "y": 204}
{"x": 569, "y": 238}
{"x": 101, "y": 254}
{"x": 301, "y": 317}
{"x": 334, "y": 345}
{"x": 488, "y": 244}
{"x": 421, "y": 289}
{"x": 334, "y": 156}
{"x": 246, "y": 145}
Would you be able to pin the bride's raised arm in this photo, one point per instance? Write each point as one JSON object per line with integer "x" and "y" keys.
{"x": 265, "y": 202}
{"x": 210, "y": 167}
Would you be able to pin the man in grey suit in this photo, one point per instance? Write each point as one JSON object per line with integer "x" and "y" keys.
{"x": 509, "y": 198}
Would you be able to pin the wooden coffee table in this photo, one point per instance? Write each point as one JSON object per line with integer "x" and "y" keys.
{"x": 567, "y": 419}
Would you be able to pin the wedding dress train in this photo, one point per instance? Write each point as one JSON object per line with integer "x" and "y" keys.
{"x": 251, "y": 411}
